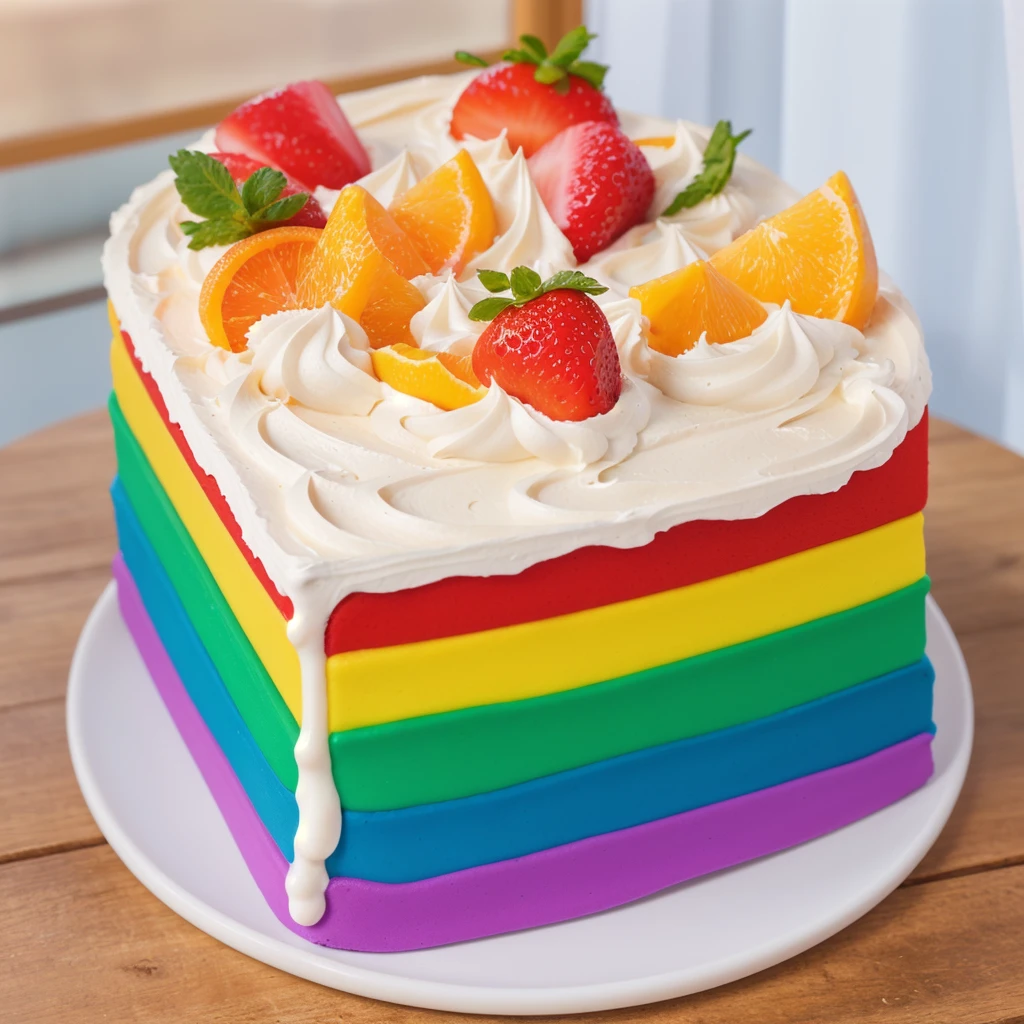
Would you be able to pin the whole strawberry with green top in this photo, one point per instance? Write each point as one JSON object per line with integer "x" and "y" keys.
{"x": 549, "y": 345}
{"x": 533, "y": 95}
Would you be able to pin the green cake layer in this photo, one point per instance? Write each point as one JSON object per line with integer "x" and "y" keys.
{"x": 476, "y": 750}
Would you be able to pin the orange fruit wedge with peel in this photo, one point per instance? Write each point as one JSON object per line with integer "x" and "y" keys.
{"x": 362, "y": 265}
{"x": 817, "y": 253}
{"x": 446, "y": 380}
{"x": 685, "y": 304}
{"x": 256, "y": 276}
{"x": 448, "y": 215}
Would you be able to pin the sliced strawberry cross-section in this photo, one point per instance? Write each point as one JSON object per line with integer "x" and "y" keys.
{"x": 300, "y": 130}
{"x": 595, "y": 182}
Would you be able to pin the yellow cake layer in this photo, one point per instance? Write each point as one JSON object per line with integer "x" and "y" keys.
{"x": 530, "y": 659}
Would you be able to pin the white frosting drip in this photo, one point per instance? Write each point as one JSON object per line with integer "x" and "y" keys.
{"x": 333, "y": 500}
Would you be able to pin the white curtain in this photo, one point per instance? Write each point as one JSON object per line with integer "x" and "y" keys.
{"x": 913, "y": 99}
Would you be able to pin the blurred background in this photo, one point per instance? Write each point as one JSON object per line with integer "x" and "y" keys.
{"x": 920, "y": 101}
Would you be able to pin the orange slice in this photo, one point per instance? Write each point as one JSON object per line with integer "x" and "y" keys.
{"x": 817, "y": 253}
{"x": 446, "y": 380}
{"x": 661, "y": 141}
{"x": 361, "y": 265}
{"x": 685, "y": 304}
{"x": 256, "y": 276}
{"x": 448, "y": 215}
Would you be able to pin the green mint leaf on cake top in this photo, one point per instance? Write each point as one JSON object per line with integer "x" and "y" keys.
{"x": 208, "y": 190}
{"x": 463, "y": 57}
{"x": 526, "y": 285}
{"x": 719, "y": 158}
{"x": 552, "y": 68}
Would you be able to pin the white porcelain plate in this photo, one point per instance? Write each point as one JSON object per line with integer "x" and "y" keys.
{"x": 152, "y": 805}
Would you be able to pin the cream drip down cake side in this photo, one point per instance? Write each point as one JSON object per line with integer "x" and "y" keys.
{"x": 519, "y": 500}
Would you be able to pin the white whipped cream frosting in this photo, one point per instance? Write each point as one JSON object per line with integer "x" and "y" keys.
{"x": 289, "y": 425}
{"x": 339, "y": 483}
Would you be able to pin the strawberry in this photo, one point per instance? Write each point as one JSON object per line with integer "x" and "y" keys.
{"x": 300, "y": 130}
{"x": 550, "y": 345}
{"x": 507, "y": 96}
{"x": 595, "y": 183}
{"x": 535, "y": 95}
{"x": 310, "y": 216}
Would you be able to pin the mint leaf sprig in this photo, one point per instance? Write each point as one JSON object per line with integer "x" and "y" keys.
{"x": 526, "y": 285}
{"x": 208, "y": 190}
{"x": 552, "y": 68}
{"x": 719, "y": 158}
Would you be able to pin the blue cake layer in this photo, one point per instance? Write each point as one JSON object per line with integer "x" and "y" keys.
{"x": 434, "y": 839}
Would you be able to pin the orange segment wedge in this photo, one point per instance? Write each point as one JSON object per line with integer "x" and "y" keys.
{"x": 362, "y": 265}
{"x": 444, "y": 379}
{"x": 256, "y": 276}
{"x": 685, "y": 304}
{"x": 817, "y": 253}
{"x": 448, "y": 215}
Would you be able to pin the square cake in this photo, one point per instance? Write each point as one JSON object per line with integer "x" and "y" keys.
{"x": 519, "y": 500}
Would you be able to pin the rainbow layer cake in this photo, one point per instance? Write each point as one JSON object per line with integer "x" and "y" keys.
{"x": 519, "y": 500}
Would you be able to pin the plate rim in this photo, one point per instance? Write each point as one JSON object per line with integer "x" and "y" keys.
{"x": 311, "y": 965}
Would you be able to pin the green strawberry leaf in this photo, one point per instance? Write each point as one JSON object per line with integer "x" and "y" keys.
{"x": 550, "y": 74}
{"x": 205, "y": 185}
{"x": 213, "y": 232}
{"x": 260, "y": 189}
{"x": 589, "y": 71}
{"x": 494, "y": 280}
{"x": 719, "y": 159}
{"x": 574, "y": 280}
{"x": 488, "y": 309}
{"x": 470, "y": 58}
{"x": 283, "y": 209}
{"x": 571, "y": 46}
{"x": 519, "y": 57}
{"x": 535, "y": 46}
{"x": 525, "y": 283}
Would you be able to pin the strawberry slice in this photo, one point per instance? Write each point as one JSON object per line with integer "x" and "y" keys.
{"x": 508, "y": 96}
{"x": 300, "y": 130}
{"x": 551, "y": 347}
{"x": 241, "y": 167}
{"x": 595, "y": 182}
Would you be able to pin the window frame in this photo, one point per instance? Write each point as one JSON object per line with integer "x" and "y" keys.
{"x": 547, "y": 19}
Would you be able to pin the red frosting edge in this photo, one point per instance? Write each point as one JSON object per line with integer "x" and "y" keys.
{"x": 591, "y": 577}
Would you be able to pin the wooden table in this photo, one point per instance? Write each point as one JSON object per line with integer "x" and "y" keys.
{"x": 82, "y": 941}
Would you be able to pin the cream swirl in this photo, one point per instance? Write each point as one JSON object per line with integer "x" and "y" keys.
{"x": 710, "y": 224}
{"x": 642, "y": 254}
{"x": 527, "y": 236}
{"x": 443, "y": 325}
{"x": 500, "y": 428}
{"x": 785, "y": 359}
{"x": 318, "y": 358}
{"x": 388, "y": 182}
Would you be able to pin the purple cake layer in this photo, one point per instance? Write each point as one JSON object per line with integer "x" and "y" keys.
{"x": 554, "y": 885}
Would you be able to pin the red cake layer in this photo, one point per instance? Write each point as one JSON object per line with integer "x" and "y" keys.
{"x": 594, "y": 576}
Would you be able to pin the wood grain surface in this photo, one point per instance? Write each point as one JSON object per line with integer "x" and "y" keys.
{"x": 82, "y": 941}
